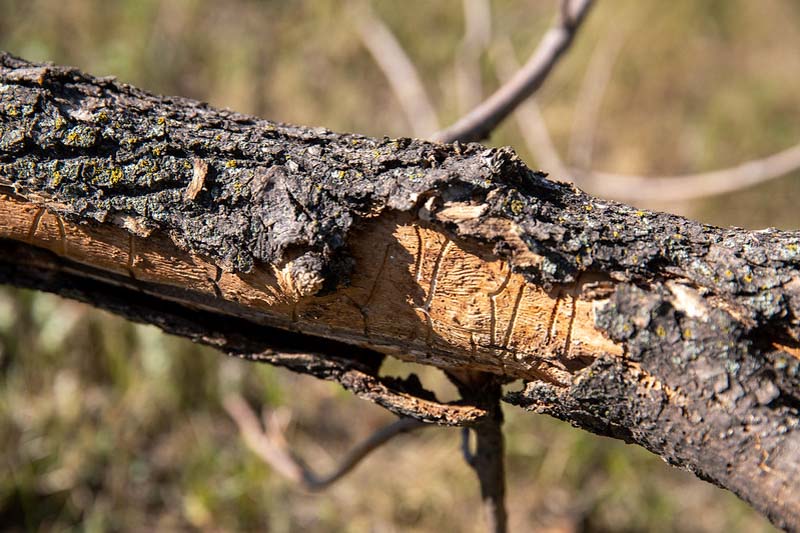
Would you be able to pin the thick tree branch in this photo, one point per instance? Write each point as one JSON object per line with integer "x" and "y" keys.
{"x": 338, "y": 250}
{"x": 479, "y": 123}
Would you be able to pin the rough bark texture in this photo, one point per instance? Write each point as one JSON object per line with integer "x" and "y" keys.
{"x": 250, "y": 236}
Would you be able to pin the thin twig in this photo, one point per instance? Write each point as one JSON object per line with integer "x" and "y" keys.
{"x": 399, "y": 71}
{"x": 693, "y": 186}
{"x": 633, "y": 188}
{"x": 479, "y": 123}
{"x": 477, "y": 36}
{"x": 529, "y": 118}
{"x": 270, "y": 445}
{"x": 590, "y": 99}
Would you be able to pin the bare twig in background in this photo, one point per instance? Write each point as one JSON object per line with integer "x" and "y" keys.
{"x": 632, "y": 188}
{"x": 590, "y": 98}
{"x": 271, "y": 446}
{"x": 529, "y": 118}
{"x": 701, "y": 185}
{"x": 477, "y": 36}
{"x": 479, "y": 123}
{"x": 400, "y": 72}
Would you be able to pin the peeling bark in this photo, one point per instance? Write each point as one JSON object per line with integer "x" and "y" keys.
{"x": 326, "y": 252}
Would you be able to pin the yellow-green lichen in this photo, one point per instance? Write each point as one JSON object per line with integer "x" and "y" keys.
{"x": 116, "y": 176}
{"x": 57, "y": 178}
{"x": 230, "y": 164}
{"x": 517, "y": 206}
{"x": 661, "y": 332}
{"x": 80, "y": 136}
{"x": 147, "y": 165}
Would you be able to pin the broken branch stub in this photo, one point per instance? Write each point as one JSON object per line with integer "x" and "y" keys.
{"x": 644, "y": 326}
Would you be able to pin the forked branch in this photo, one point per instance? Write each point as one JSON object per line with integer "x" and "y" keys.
{"x": 629, "y": 187}
{"x": 269, "y": 443}
{"x": 481, "y": 121}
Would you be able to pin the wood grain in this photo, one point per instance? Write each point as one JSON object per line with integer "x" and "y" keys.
{"x": 409, "y": 282}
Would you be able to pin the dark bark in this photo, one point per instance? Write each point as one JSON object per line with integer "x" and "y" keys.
{"x": 707, "y": 318}
{"x": 488, "y": 458}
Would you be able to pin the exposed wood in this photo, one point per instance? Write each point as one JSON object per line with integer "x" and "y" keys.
{"x": 326, "y": 252}
{"x": 421, "y": 297}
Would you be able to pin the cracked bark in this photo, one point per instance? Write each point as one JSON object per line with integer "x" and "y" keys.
{"x": 327, "y": 252}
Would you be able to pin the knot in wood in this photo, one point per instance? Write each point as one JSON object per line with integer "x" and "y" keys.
{"x": 304, "y": 275}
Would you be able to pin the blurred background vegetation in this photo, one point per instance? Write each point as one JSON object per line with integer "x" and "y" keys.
{"x": 105, "y": 425}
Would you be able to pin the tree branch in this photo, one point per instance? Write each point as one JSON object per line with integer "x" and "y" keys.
{"x": 489, "y": 456}
{"x": 590, "y": 98}
{"x": 298, "y": 245}
{"x": 270, "y": 445}
{"x": 477, "y": 35}
{"x": 529, "y": 117}
{"x": 633, "y": 188}
{"x": 685, "y": 187}
{"x": 399, "y": 71}
{"x": 479, "y": 123}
